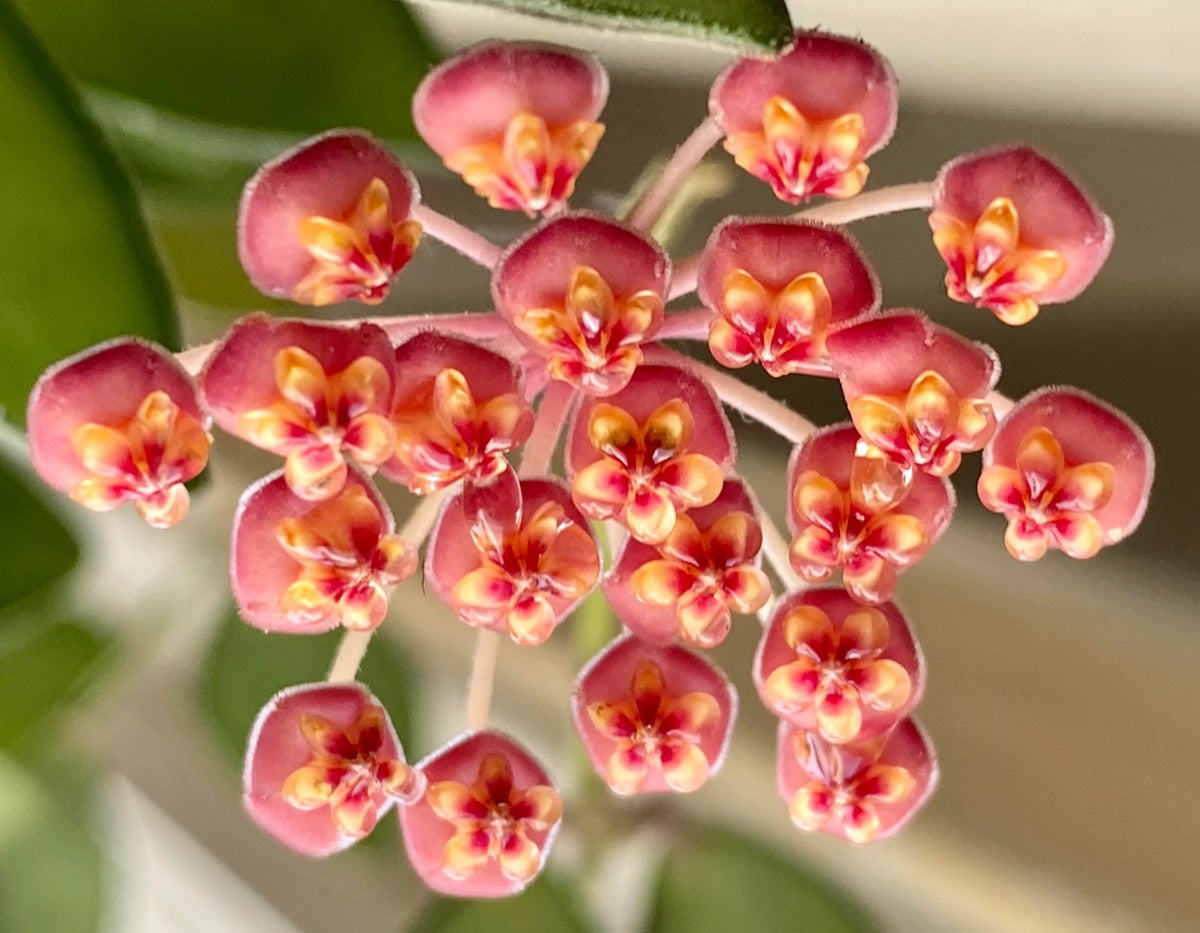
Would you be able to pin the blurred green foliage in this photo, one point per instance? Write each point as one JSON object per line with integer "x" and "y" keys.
{"x": 545, "y": 907}
{"x": 42, "y": 550}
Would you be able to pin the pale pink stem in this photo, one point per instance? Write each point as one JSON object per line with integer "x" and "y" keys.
{"x": 353, "y": 646}
{"x": 689, "y": 154}
{"x": 457, "y": 237}
{"x": 539, "y": 449}
{"x": 1001, "y": 404}
{"x": 685, "y": 325}
{"x": 775, "y": 550}
{"x": 749, "y": 401}
{"x": 915, "y": 196}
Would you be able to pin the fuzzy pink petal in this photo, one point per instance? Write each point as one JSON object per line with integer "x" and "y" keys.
{"x": 824, "y": 76}
{"x": 884, "y": 355}
{"x": 608, "y": 677}
{"x": 104, "y": 385}
{"x": 426, "y": 834}
{"x": 277, "y": 748}
{"x": 323, "y": 177}
{"x": 902, "y": 648}
{"x": 1088, "y": 430}
{"x": 240, "y": 375}
{"x": 1053, "y": 212}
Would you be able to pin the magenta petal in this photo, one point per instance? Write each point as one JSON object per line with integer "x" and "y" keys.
{"x": 775, "y": 251}
{"x": 883, "y": 357}
{"x": 324, "y": 177}
{"x": 902, "y": 647}
{"x": 104, "y": 384}
{"x": 651, "y": 387}
{"x": 907, "y": 747}
{"x": 1054, "y": 213}
{"x": 607, "y": 677}
{"x": 240, "y": 375}
{"x": 277, "y": 748}
{"x": 260, "y": 569}
{"x": 471, "y": 98}
{"x": 823, "y": 76}
{"x": 534, "y": 272}
{"x": 1088, "y": 430}
{"x": 426, "y": 833}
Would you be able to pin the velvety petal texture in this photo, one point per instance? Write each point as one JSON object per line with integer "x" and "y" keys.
{"x": 1016, "y": 231}
{"x": 805, "y": 120}
{"x": 516, "y": 119}
{"x": 323, "y": 765}
{"x": 828, "y": 664}
{"x": 653, "y": 718}
{"x": 584, "y": 292}
{"x": 459, "y": 410}
{"x": 1068, "y": 471}
{"x": 777, "y": 288}
{"x": 863, "y": 792}
{"x": 487, "y": 820}
{"x": 328, "y": 220}
{"x": 120, "y": 422}
{"x": 304, "y": 567}
{"x": 688, "y": 587}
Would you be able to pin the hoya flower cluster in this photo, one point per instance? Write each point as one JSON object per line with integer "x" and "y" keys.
{"x": 468, "y": 410}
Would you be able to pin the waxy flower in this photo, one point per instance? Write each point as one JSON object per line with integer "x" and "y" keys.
{"x": 1015, "y": 232}
{"x": 916, "y": 391}
{"x": 305, "y": 567}
{"x": 653, "y": 718}
{"x": 688, "y": 586}
{"x": 328, "y": 221}
{"x": 486, "y": 822}
{"x": 849, "y": 511}
{"x": 655, "y": 449}
{"x": 805, "y": 120}
{"x": 862, "y": 792}
{"x": 516, "y": 119}
{"x": 777, "y": 288}
{"x": 312, "y": 393}
{"x": 323, "y": 765}
{"x": 828, "y": 664}
{"x": 520, "y": 565}
{"x": 459, "y": 410}
{"x": 120, "y": 422}
{"x": 584, "y": 292}
{"x": 1067, "y": 471}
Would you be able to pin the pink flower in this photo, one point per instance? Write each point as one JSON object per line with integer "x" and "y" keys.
{"x": 487, "y": 820}
{"x": 777, "y": 288}
{"x": 1067, "y": 471}
{"x": 312, "y": 393}
{"x": 863, "y": 792}
{"x": 916, "y": 391}
{"x": 516, "y": 119}
{"x": 653, "y": 718}
{"x": 805, "y": 120}
{"x": 651, "y": 451}
{"x": 120, "y": 422}
{"x": 1016, "y": 232}
{"x": 584, "y": 293}
{"x": 305, "y": 567}
{"x": 328, "y": 221}
{"x": 324, "y": 764}
{"x": 828, "y": 664}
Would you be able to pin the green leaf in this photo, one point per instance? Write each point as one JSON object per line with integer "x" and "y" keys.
{"x": 715, "y": 881}
{"x": 76, "y": 261}
{"x": 246, "y": 667}
{"x": 41, "y": 671}
{"x": 301, "y": 65}
{"x": 35, "y": 548}
{"x": 543, "y": 908}
{"x": 50, "y": 871}
{"x": 741, "y": 24}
